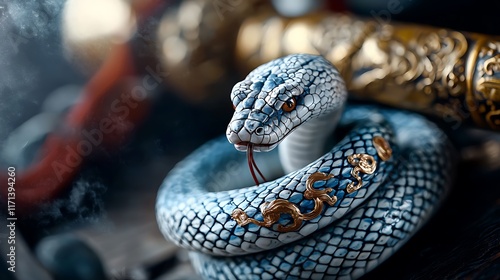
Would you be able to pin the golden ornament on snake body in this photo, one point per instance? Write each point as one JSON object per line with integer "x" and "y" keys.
{"x": 383, "y": 148}
{"x": 362, "y": 163}
{"x": 272, "y": 211}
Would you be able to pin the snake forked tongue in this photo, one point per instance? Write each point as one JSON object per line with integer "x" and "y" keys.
{"x": 252, "y": 164}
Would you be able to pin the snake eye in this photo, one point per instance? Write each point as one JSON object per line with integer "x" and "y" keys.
{"x": 289, "y": 105}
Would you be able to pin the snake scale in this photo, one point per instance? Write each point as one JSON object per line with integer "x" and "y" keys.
{"x": 336, "y": 213}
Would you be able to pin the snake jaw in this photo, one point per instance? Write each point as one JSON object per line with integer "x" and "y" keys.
{"x": 243, "y": 146}
{"x": 242, "y": 139}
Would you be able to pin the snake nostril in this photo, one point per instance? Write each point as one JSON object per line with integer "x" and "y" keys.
{"x": 259, "y": 131}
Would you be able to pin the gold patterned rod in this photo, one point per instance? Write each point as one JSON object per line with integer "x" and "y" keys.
{"x": 450, "y": 74}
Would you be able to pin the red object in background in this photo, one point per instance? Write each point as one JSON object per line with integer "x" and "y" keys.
{"x": 64, "y": 151}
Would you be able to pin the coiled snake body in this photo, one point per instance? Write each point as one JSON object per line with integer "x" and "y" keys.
{"x": 333, "y": 215}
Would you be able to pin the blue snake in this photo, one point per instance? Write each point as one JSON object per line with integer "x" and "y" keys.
{"x": 336, "y": 213}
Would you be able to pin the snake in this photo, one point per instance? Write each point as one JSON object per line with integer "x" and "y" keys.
{"x": 348, "y": 184}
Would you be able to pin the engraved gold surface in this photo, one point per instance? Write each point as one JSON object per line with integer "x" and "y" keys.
{"x": 271, "y": 211}
{"x": 424, "y": 67}
{"x": 484, "y": 98}
{"x": 450, "y": 74}
{"x": 383, "y": 148}
{"x": 362, "y": 163}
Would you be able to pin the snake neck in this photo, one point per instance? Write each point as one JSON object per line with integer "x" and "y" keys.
{"x": 307, "y": 142}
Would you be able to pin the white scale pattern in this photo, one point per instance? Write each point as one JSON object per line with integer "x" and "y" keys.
{"x": 183, "y": 221}
{"x": 357, "y": 243}
{"x": 348, "y": 239}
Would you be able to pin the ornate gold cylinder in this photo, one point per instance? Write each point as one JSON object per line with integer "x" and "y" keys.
{"x": 450, "y": 74}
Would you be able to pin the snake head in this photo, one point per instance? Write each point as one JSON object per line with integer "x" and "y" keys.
{"x": 277, "y": 97}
